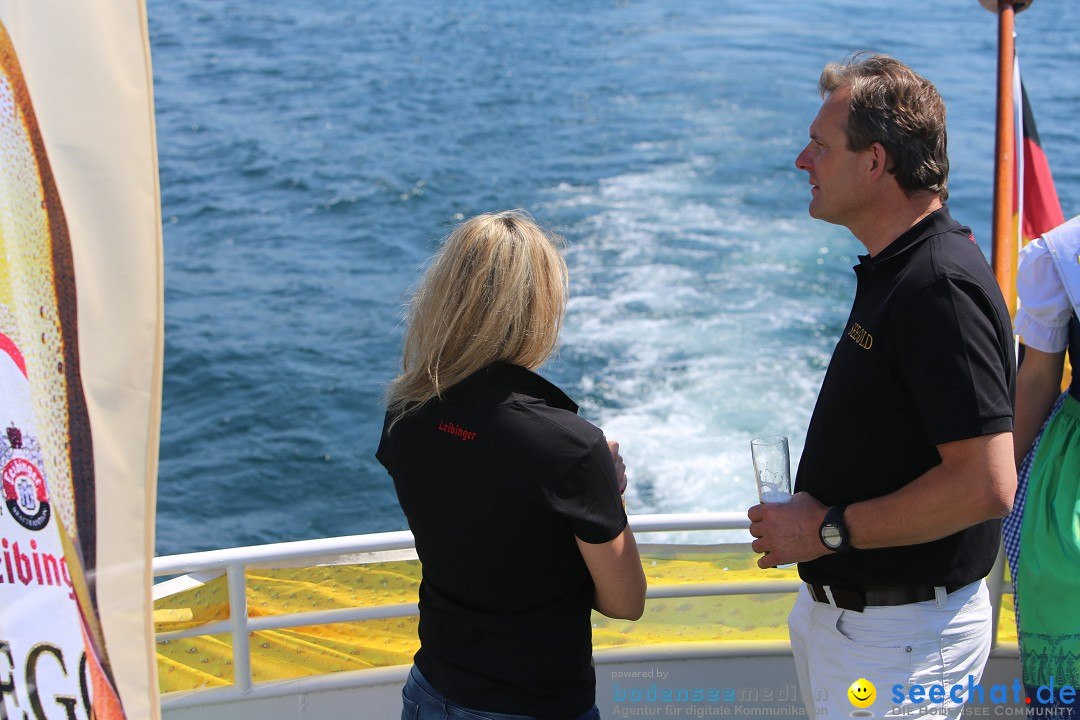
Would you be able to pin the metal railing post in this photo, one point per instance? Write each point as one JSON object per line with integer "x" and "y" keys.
{"x": 995, "y": 583}
{"x": 238, "y": 619}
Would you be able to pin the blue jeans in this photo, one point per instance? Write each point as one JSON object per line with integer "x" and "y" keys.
{"x": 420, "y": 701}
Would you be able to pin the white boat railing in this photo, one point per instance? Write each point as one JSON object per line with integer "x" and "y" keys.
{"x": 233, "y": 562}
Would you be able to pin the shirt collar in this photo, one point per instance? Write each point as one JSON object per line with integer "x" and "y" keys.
{"x": 500, "y": 379}
{"x": 935, "y": 223}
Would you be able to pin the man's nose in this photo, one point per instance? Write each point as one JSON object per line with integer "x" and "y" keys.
{"x": 802, "y": 160}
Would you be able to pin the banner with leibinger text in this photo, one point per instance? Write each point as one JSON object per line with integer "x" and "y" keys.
{"x": 80, "y": 360}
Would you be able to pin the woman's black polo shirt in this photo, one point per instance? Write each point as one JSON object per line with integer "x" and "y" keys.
{"x": 926, "y": 358}
{"x": 496, "y": 480}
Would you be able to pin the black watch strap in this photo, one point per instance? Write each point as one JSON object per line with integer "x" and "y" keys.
{"x": 833, "y": 532}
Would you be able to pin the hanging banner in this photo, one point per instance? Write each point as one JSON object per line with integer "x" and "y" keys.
{"x": 80, "y": 361}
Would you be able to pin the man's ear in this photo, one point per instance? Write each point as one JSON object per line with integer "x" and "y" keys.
{"x": 878, "y": 160}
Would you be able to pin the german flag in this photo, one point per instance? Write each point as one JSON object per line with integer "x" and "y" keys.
{"x": 1041, "y": 209}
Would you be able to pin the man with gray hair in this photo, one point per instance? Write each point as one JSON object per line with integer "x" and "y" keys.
{"x": 907, "y": 465}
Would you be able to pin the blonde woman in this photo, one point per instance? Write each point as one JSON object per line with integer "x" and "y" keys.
{"x": 513, "y": 499}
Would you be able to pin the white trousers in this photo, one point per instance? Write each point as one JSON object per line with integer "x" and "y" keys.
{"x": 925, "y": 643}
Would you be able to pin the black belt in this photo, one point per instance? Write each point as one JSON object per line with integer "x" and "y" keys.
{"x": 857, "y": 598}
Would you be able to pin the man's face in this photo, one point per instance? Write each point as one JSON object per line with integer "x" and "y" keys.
{"x": 836, "y": 180}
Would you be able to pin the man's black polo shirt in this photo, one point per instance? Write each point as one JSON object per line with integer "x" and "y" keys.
{"x": 926, "y": 358}
{"x": 496, "y": 480}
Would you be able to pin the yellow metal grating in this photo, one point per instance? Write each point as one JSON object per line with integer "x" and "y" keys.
{"x": 206, "y": 661}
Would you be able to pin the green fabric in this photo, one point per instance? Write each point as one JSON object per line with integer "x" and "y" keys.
{"x": 1048, "y": 581}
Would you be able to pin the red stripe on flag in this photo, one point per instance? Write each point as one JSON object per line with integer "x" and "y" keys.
{"x": 1042, "y": 209}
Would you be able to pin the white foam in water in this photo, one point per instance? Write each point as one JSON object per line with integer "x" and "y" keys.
{"x": 687, "y": 345}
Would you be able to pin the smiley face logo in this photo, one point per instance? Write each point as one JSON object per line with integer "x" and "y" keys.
{"x": 862, "y": 693}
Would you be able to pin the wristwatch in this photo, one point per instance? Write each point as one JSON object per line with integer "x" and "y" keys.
{"x": 833, "y": 531}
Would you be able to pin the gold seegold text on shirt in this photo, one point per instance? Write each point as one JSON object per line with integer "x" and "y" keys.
{"x": 862, "y": 338}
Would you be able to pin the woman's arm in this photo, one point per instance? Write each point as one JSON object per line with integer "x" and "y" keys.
{"x": 616, "y": 571}
{"x": 1042, "y": 321}
{"x": 1038, "y": 384}
{"x": 615, "y": 566}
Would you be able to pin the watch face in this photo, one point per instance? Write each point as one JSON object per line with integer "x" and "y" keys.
{"x": 830, "y": 535}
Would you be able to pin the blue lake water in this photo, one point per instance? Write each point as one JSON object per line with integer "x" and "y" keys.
{"x": 314, "y": 153}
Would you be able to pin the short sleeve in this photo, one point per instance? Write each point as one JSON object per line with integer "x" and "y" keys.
{"x": 1042, "y": 320}
{"x": 956, "y": 361}
{"x": 588, "y": 496}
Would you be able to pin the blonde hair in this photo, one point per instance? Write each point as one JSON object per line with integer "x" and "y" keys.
{"x": 496, "y": 290}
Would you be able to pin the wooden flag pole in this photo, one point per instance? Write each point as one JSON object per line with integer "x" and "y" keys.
{"x": 1004, "y": 248}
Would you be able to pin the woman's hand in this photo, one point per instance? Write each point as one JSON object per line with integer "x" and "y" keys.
{"x": 620, "y": 466}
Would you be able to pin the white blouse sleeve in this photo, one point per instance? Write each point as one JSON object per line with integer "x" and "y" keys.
{"x": 1042, "y": 320}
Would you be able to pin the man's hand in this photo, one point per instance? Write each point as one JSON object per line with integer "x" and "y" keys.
{"x": 787, "y": 532}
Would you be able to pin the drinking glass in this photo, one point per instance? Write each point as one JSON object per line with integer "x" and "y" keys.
{"x": 772, "y": 468}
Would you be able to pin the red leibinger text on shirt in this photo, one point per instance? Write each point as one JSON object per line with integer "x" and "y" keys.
{"x": 449, "y": 427}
